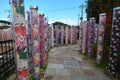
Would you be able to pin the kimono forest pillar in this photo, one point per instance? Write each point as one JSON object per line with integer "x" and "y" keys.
{"x": 84, "y": 38}
{"x": 115, "y": 42}
{"x": 101, "y": 32}
{"x": 56, "y": 35}
{"x": 62, "y": 34}
{"x": 66, "y": 42}
{"x": 21, "y": 52}
{"x": 71, "y": 35}
{"x": 42, "y": 39}
{"x": 91, "y": 36}
{"x": 80, "y": 35}
{"x": 35, "y": 38}
{"x": 30, "y": 45}
{"x": 52, "y": 35}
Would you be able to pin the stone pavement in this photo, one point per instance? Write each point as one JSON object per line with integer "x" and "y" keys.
{"x": 65, "y": 63}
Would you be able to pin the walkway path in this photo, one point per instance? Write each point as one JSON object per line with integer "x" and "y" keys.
{"x": 65, "y": 63}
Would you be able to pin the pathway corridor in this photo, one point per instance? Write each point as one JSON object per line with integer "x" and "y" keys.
{"x": 65, "y": 63}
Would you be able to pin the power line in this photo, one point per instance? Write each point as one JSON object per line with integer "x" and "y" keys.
{"x": 63, "y": 9}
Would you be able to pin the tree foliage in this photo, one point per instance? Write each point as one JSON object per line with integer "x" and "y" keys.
{"x": 95, "y": 7}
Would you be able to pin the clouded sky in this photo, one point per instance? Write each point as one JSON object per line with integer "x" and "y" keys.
{"x": 56, "y": 10}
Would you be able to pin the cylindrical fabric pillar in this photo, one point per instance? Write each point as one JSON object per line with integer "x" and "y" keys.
{"x": 66, "y": 35}
{"x": 101, "y": 32}
{"x": 91, "y": 37}
{"x": 21, "y": 53}
{"x": 52, "y": 35}
{"x": 49, "y": 36}
{"x": 30, "y": 45}
{"x": 96, "y": 27}
{"x": 59, "y": 35}
{"x": 42, "y": 39}
{"x": 45, "y": 32}
{"x": 115, "y": 41}
{"x": 56, "y": 35}
{"x": 0, "y": 34}
{"x": 71, "y": 34}
{"x": 84, "y": 38}
{"x": 62, "y": 34}
{"x": 35, "y": 38}
{"x": 80, "y": 35}
{"x": 74, "y": 35}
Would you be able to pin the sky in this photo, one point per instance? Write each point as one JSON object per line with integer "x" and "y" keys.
{"x": 65, "y": 11}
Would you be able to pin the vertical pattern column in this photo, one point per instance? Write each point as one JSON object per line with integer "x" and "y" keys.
{"x": 52, "y": 35}
{"x": 74, "y": 35}
{"x": 101, "y": 32}
{"x": 56, "y": 35}
{"x": 59, "y": 35}
{"x": 45, "y": 33}
{"x": 96, "y": 27}
{"x": 36, "y": 51}
{"x": 62, "y": 34}
{"x": 91, "y": 37}
{"x": 115, "y": 41}
{"x": 66, "y": 35}
{"x": 48, "y": 36}
{"x": 84, "y": 38}
{"x": 80, "y": 35}
{"x": 71, "y": 34}
{"x": 42, "y": 39}
{"x": 0, "y": 34}
{"x": 21, "y": 53}
{"x": 30, "y": 45}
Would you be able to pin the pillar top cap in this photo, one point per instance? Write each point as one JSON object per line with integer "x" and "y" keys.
{"x": 92, "y": 18}
{"x": 41, "y": 14}
{"x": 34, "y": 7}
{"x": 27, "y": 11}
{"x": 103, "y": 14}
{"x": 116, "y": 8}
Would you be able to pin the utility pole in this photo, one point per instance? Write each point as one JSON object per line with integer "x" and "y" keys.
{"x": 8, "y": 14}
{"x": 78, "y": 18}
{"x": 81, "y": 17}
{"x": 9, "y": 17}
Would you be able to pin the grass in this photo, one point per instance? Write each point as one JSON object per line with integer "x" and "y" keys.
{"x": 43, "y": 68}
{"x": 105, "y": 59}
{"x": 104, "y": 63}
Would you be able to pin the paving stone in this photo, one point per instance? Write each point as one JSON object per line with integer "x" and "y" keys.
{"x": 57, "y": 78}
{"x": 85, "y": 67}
{"x": 88, "y": 72}
{"x": 66, "y": 78}
{"x": 48, "y": 77}
{"x": 80, "y": 78}
{"x": 71, "y": 64}
{"x": 59, "y": 61}
{"x": 77, "y": 72}
{"x": 56, "y": 66}
{"x": 63, "y": 72}
{"x": 78, "y": 59}
{"x": 50, "y": 71}
{"x": 67, "y": 64}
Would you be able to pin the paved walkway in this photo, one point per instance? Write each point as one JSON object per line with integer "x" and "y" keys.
{"x": 65, "y": 63}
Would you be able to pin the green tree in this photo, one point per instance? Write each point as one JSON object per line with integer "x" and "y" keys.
{"x": 95, "y": 7}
